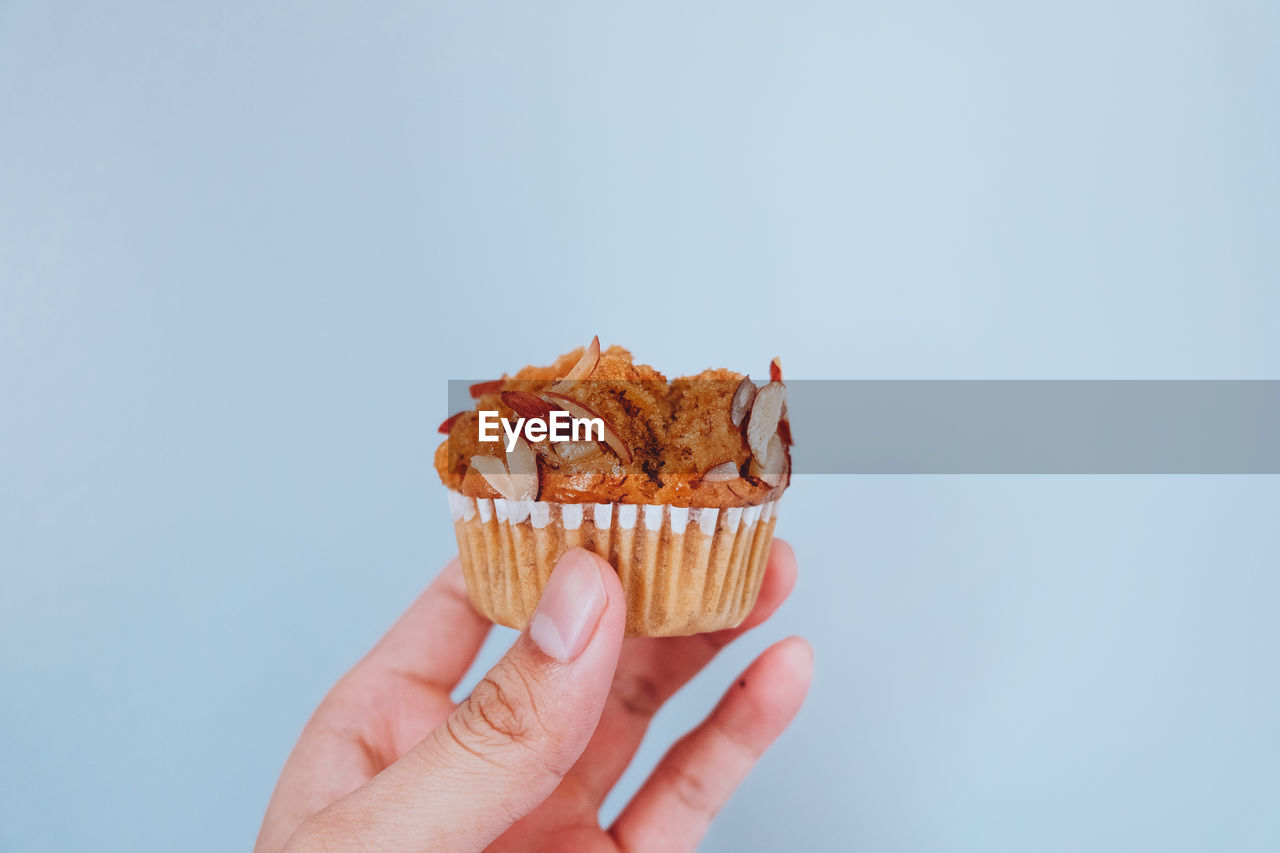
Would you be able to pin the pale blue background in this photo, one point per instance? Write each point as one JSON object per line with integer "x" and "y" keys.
{"x": 243, "y": 248}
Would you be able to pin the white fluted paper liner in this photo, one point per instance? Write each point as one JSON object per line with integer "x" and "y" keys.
{"x": 685, "y": 570}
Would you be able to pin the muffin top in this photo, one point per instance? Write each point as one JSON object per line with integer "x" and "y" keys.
{"x": 713, "y": 439}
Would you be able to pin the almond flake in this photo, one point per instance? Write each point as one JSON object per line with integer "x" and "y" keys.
{"x": 522, "y": 466}
{"x": 722, "y": 473}
{"x": 766, "y": 411}
{"x": 527, "y": 405}
{"x": 578, "y": 410}
{"x": 586, "y": 364}
{"x": 784, "y": 430}
{"x": 582, "y": 370}
{"x": 775, "y": 464}
{"x": 495, "y": 474}
{"x": 576, "y": 451}
{"x": 743, "y": 395}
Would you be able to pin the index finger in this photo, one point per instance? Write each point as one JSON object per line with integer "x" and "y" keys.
{"x": 437, "y": 638}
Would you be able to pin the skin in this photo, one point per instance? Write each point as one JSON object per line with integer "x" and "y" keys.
{"x": 390, "y": 762}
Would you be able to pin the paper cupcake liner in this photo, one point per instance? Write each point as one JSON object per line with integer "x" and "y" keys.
{"x": 684, "y": 570}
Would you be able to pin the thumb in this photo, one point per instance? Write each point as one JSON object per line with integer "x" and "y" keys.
{"x": 506, "y": 748}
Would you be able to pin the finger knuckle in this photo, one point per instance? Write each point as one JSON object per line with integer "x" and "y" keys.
{"x": 690, "y": 790}
{"x": 641, "y": 695}
{"x": 501, "y": 712}
{"x": 507, "y": 722}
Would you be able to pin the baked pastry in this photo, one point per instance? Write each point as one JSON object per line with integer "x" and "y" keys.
{"x": 675, "y": 483}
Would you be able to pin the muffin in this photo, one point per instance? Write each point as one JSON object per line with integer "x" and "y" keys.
{"x": 675, "y": 483}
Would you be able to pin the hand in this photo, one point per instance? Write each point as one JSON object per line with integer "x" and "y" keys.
{"x": 389, "y": 762}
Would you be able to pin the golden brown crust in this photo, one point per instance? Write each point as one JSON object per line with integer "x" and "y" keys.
{"x": 666, "y": 437}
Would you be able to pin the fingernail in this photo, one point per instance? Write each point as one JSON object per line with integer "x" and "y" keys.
{"x": 570, "y": 606}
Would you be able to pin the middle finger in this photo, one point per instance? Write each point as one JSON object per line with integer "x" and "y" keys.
{"x": 651, "y": 669}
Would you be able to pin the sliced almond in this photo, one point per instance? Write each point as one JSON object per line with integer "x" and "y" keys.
{"x": 784, "y": 430}
{"x": 576, "y": 451}
{"x": 447, "y": 424}
{"x": 785, "y": 477}
{"x": 774, "y": 467}
{"x": 495, "y": 474}
{"x": 582, "y": 370}
{"x": 722, "y": 473}
{"x": 766, "y": 411}
{"x": 577, "y": 410}
{"x": 742, "y": 397}
{"x": 522, "y": 467}
{"x": 482, "y": 388}
{"x": 586, "y": 364}
{"x": 527, "y": 405}
{"x": 775, "y": 370}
